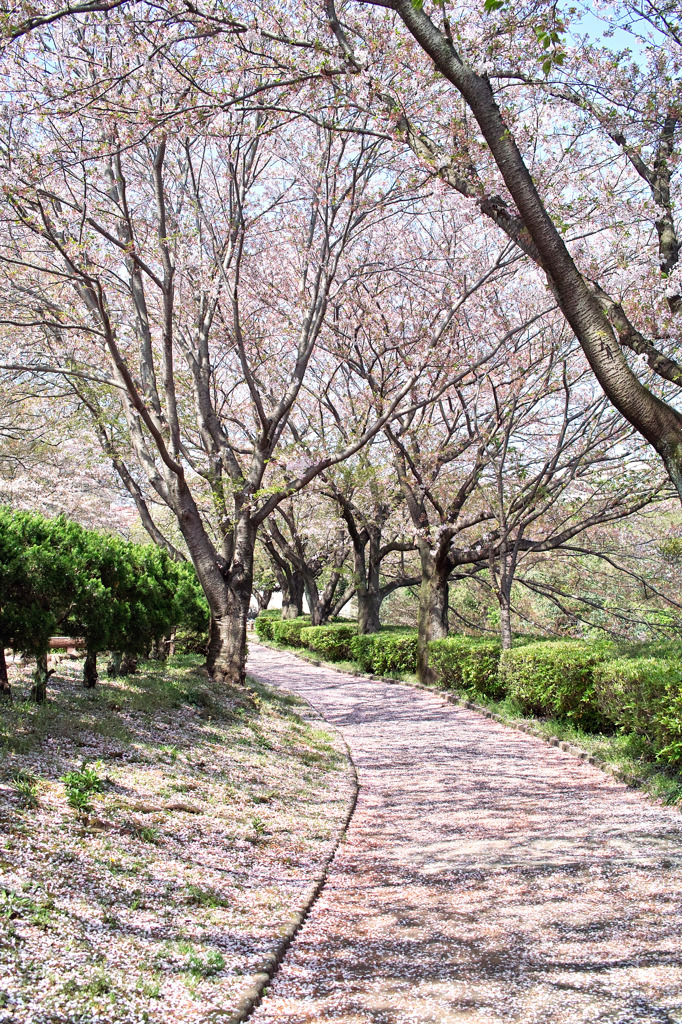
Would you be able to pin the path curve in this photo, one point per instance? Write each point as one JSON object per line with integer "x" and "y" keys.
{"x": 485, "y": 876}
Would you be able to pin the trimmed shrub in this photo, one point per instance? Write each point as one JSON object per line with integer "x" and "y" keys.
{"x": 377, "y": 652}
{"x": 468, "y": 663}
{"x": 288, "y": 631}
{"x": 395, "y": 652}
{"x": 362, "y": 650}
{"x": 331, "y": 642}
{"x": 668, "y": 727}
{"x": 644, "y": 696}
{"x": 264, "y": 622}
{"x": 556, "y": 679}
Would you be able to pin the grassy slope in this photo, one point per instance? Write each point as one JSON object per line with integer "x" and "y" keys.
{"x": 159, "y": 900}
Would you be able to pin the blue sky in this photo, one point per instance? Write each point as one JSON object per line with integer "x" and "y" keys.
{"x": 594, "y": 26}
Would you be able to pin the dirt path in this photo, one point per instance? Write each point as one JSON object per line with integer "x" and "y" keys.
{"x": 486, "y": 876}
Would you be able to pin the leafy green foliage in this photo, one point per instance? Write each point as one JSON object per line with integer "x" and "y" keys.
{"x": 362, "y": 650}
{"x": 395, "y": 652}
{"x": 80, "y": 784}
{"x": 556, "y": 679}
{"x": 56, "y": 576}
{"x": 206, "y": 966}
{"x": 644, "y": 696}
{"x": 288, "y": 631}
{"x": 264, "y": 623}
{"x": 26, "y": 785}
{"x": 392, "y": 650}
{"x": 331, "y": 642}
{"x": 467, "y": 663}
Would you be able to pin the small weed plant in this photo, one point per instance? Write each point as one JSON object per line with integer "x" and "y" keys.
{"x": 26, "y": 785}
{"x": 147, "y": 833}
{"x": 258, "y": 826}
{"x": 80, "y": 784}
{"x": 198, "y": 897}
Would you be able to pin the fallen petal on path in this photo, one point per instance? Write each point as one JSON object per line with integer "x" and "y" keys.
{"x": 485, "y": 876}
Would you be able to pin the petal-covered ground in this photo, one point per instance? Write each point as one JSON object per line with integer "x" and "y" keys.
{"x": 485, "y": 876}
{"x": 158, "y": 898}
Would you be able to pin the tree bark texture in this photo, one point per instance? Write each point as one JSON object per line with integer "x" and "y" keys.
{"x": 41, "y": 674}
{"x": 505, "y": 621}
{"x": 5, "y": 688}
{"x": 292, "y": 595}
{"x": 227, "y": 583}
{"x": 367, "y": 581}
{"x": 433, "y": 610}
{"x": 90, "y": 676}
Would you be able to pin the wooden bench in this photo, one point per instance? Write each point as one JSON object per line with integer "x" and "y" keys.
{"x": 66, "y": 643}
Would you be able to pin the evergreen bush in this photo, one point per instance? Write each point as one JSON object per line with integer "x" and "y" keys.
{"x": 288, "y": 631}
{"x": 467, "y": 663}
{"x": 56, "y": 576}
{"x": 332, "y": 642}
{"x": 556, "y": 679}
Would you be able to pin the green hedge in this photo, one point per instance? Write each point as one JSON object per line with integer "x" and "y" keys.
{"x": 288, "y": 631}
{"x": 467, "y": 663}
{"x": 644, "y": 696}
{"x": 362, "y": 650}
{"x": 556, "y": 679}
{"x": 331, "y": 642}
{"x": 389, "y": 652}
{"x": 264, "y": 622}
{"x": 395, "y": 652}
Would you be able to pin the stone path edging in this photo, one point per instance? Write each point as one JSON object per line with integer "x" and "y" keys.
{"x": 554, "y": 741}
{"x": 253, "y": 996}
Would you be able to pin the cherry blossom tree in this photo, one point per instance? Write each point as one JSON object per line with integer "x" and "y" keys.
{"x": 192, "y": 277}
{"x": 473, "y": 129}
{"x": 309, "y": 543}
{"x": 515, "y": 462}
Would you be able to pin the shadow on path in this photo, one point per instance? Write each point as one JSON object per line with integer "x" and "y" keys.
{"x": 486, "y": 876}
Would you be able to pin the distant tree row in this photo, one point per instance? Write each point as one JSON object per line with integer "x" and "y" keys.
{"x": 433, "y": 272}
{"x": 58, "y": 578}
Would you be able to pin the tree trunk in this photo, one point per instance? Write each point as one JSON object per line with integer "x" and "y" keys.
{"x": 90, "y": 676}
{"x": 369, "y": 608}
{"x": 160, "y": 652}
{"x": 368, "y": 584}
{"x": 227, "y": 581}
{"x": 128, "y": 664}
{"x": 292, "y": 596}
{"x": 505, "y": 620}
{"x": 5, "y": 688}
{"x": 314, "y": 606}
{"x": 263, "y": 599}
{"x": 114, "y": 665}
{"x": 226, "y": 660}
{"x": 316, "y": 617}
{"x": 433, "y": 614}
{"x": 41, "y": 674}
